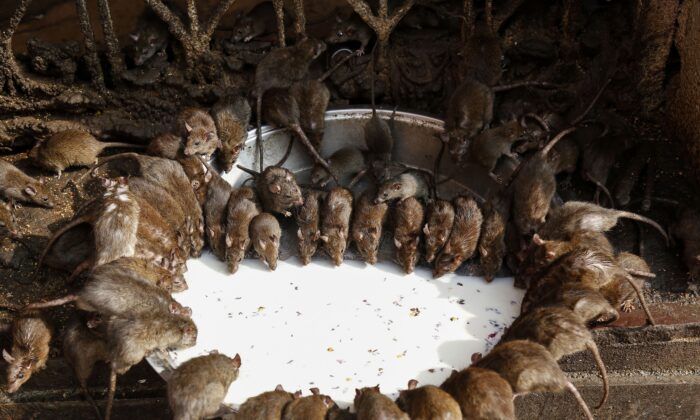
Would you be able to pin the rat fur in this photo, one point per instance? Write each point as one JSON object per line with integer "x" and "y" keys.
{"x": 15, "y": 185}
{"x": 215, "y": 207}
{"x": 437, "y": 228}
{"x": 408, "y": 219}
{"x": 470, "y": 110}
{"x": 265, "y": 233}
{"x": 463, "y": 238}
{"x": 277, "y": 190}
{"x": 240, "y": 212}
{"x": 482, "y": 394}
{"x": 367, "y": 225}
{"x": 31, "y": 335}
{"x": 313, "y": 97}
{"x": 487, "y": 147}
{"x": 350, "y": 28}
{"x": 492, "y": 245}
{"x": 428, "y": 403}
{"x": 408, "y": 184}
{"x": 345, "y": 163}
{"x": 199, "y": 175}
{"x": 196, "y": 389}
{"x": 308, "y": 218}
{"x": 232, "y": 116}
{"x": 335, "y": 223}
{"x": 371, "y": 404}
{"x": 266, "y": 406}
{"x": 7, "y": 219}
{"x": 197, "y": 127}
{"x": 313, "y": 407}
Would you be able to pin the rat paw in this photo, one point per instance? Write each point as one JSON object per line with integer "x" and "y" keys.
{"x": 627, "y": 306}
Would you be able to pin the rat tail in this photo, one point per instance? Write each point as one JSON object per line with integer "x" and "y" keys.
{"x": 110, "y": 394}
{"x": 532, "y": 83}
{"x": 644, "y": 219}
{"x": 601, "y": 187}
{"x": 642, "y": 301}
{"x": 592, "y": 104}
{"x": 73, "y": 223}
{"x": 92, "y": 169}
{"x": 312, "y": 150}
{"x": 372, "y": 75}
{"x": 106, "y": 145}
{"x": 593, "y": 348}
{"x": 258, "y": 130}
{"x": 91, "y": 401}
{"x": 586, "y": 411}
{"x": 286, "y": 153}
{"x": 337, "y": 65}
{"x": 248, "y": 171}
{"x": 51, "y": 303}
{"x": 555, "y": 140}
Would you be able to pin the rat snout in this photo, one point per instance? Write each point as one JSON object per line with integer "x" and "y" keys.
{"x": 299, "y": 202}
{"x": 12, "y": 387}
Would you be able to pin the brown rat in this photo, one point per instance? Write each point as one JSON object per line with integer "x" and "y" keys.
{"x": 157, "y": 241}
{"x": 408, "y": 220}
{"x": 579, "y": 215}
{"x": 143, "y": 270}
{"x": 620, "y": 290}
{"x": 632, "y": 169}
{"x": 265, "y": 233}
{"x": 487, "y": 147}
{"x": 71, "y": 250}
{"x": 282, "y": 110}
{"x": 266, "y": 406}
{"x": 31, "y": 335}
{"x": 335, "y": 223}
{"x": 378, "y": 136}
{"x": 232, "y": 116}
{"x": 115, "y": 291}
{"x": 482, "y": 394}
{"x": 166, "y": 145}
{"x": 277, "y": 189}
{"x": 151, "y": 35}
{"x": 408, "y": 184}
{"x": 367, "y": 225}
{"x": 199, "y": 175}
{"x": 470, "y": 110}
{"x": 280, "y": 68}
{"x": 197, "y": 127}
{"x": 427, "y": 403}
{"x": 529, "y": 367}
{"x": 240, "y": 212}
{"x": 82, "y": 348}
{"x": 350, "y": 28}
{"x": 492, "y": 244}
{"x": 7, "y": 219}
{"x": 15, "y": 185}
{"x": 313, "y": 97}
{"x": 215, "y": 207}
{"x": 371, "y": 404}
{"x": 69, "y": 148}
{"x": 260, "y": 20}
{"x": 132, "y": 339}
{"x": 345, "y": 163}
{"x": 197, "y": 388}
{"x": 463, "y": 238}
{"x": 561, "y": 331}
{"x": 308, "y": 218}
{"x": 313, "y": 407}
{"x": 441, "y": 216}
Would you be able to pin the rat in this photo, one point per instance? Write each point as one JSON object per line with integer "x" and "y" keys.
{"x": 487, "y": 147}
{"x": 199, "y": 175}
{"x": 344, "y": 163}
{"x": 143, "y": 270}
{"x": 83, "y": 347}
{"x": 686, "y": 230}
{"x": 197, "y": 127}
{"x": 408, "y": 184}
{"x": 282, "y": 110}
{"x": 562, "y": 332}
{"x": 579, "y": 215}
{"x": 232, "y": 116}
{"x": 308, "y": 218}
{"x": 240, "y": 212}
{"x": 266, "y": 406}
{"x": 529, "y": 367}
{"x": 265, "y": 233}
{"x": 277, "y": 189}
{"x": 427, "y": 403}
{"x": 619, "y": 291}
{"x": 313, "y": 407}
{"x": 371, "y": 404}
{"x": 69, "y": 148}
{"x": 379, "y": 138}
{"x": 463, "y": 239}
{"x": 408, "y": 220}
{"x": 437, "y": 228}
{"x": 335, "y": 223}
{"x": 15, "y": 185}
{"x": 335, "y": 413}
{"x": 71, "y": 250}
{"x": 215, "y": 208}
{"x": 481, "y": 394}
{"x": 31, "y": 335}
{"x": 281, "y": 68}
{"x": 534, "y": 185}
{"x": 7, "y": 219}
{"x": 260, "y": 20}
{"x": 157, "y": 241}
{"x": 166, "y": 145}
{"x": 132, "y": 339}
{"x": 632, "y": 169}
{"x": 367, "y": 225}
{"x": 351, "y": 28}
{"x": 151, "y": 36}
{"x": 196, "y": 389}
{"x": 469, "y": 110}
{"x": 492, "y": 244}
{"x": 312, "y": 96}
{"x": 114, "y": 219}
{"x": 113, "y": 291}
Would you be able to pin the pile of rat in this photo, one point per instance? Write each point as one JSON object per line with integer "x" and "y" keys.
{"x": 133, "y": 240}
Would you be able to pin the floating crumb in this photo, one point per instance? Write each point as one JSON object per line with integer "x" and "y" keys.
{"x": 330, "y": 349}
{"x": 402, "y": 354}
{"x": 414, "y": 312}
{"x": 261, "y": 308}
{"x": 454, "y": 318}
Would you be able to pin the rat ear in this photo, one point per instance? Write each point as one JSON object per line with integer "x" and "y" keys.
{"x": 31, "y": 191}
{"x": 299, "y": 235}
{"x": 396, "y": 186}
{"x": 275, "y": 188}
{"x": 317, "y": 235}
{"x": 261, "y": 244}
{"x": 476, "y": 357}
{"x": 296, "y": 395}
{"x": 376, "y": 388}
{"x": 397, "y": 243}
{"x": 537, "y": 240}
{"x": 412, "y": 384}
{"x": 188, "y": 127}
{"x": 279, "y": 387}
{"x": 134, "y": 37}
{"x": 315, "y": 391}
{"x": 357, "y": 392}
{"x": 426, "y": 230}
{"x": 327, "y": 400}
{"x": 342, "y": 235}
{"x": 229, "y": 241}
{"x": 211, "y": 232}
{"x": 7, "y": 356}
{"x": 360, "y": 236}
{"x": 237, "y": 360}
{"x": 483, "y": 251}
{"x": 173, "y": 307}
{"x": 324, "y": 238}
